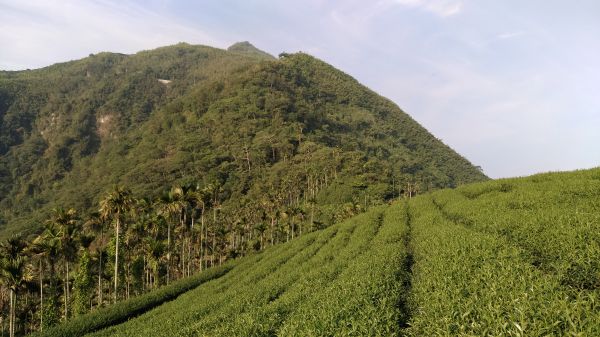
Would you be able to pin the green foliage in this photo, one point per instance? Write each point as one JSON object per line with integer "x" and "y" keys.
{"x": 514, "y": 257}
{"x": 258, "y": 151}
{"x": 362, "y": 300}
{"x": 441, "y": 264}
{"x": 133, "y": 307}
{"x": 83, "y": 286}
{"x": 248, "y": 49}
{"x": 344, "y": 280}
{"x": 284, "y": 129}
{"x": 50, "y": 311}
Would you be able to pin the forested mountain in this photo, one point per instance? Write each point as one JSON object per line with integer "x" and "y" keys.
{"x": 264, "y": 134}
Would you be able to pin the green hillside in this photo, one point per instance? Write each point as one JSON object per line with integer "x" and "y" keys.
{"x": 512, "y": 257}
{"x": 264, "y": 133}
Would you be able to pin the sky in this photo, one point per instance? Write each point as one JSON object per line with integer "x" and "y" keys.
{"x": 511, "y": 85}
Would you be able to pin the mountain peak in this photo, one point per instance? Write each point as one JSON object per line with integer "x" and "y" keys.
{"x": 258, "y": 127}
{"x": 246, "y": 47}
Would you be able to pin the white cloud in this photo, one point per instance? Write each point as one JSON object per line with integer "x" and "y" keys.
{"x": 356, "y": 19}
{"x": 42, "y": 32}
{"x": 509, "y": 35}
{"x": 507, "y": 125}
{"x": 410, "y": 2}
{"x": 443, "y": 8}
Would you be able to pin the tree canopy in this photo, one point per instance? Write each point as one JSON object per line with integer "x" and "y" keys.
{"x": 263, "y": 131}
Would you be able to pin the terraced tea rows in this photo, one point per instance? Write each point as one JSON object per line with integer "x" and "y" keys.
{"x": 350, "y": 272}
{"x": 468, "y": 282}
{"x": 535, "y": 247}
{"x": 513, "y": 257}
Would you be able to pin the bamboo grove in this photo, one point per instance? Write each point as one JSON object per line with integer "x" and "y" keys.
{"x": 131, "y": 246}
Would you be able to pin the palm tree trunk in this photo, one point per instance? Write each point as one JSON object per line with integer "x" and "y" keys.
{"x": 13, "y": 301}
{"x": 182, "y": 258}
{"x": 312, "y": 216}
{"x": 212, "y": 256}
{"x": 206, "y": 247}
{"x": 66, "y": 290}
{"x": 100, "y": 269}
{"x": 155, "y": 276}
{"x": 100, "y": 281}
{"x": 272, "y": 229}
{"x": 182, "y": 220}
{"x": 201, "y": 237}
{"x": 41, "y": 296}
{"x": 127, "y": 276}
{"x": 190, "y": 244}
{"x": 65, "y": 299}
{"x": 191, "y": 253}
{"x": 168, "y": 252}
{"x": 117, "y": 258}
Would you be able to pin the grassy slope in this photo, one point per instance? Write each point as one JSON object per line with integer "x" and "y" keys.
{"x": 277, "y": 294}
{"x": 510, "y": 257}
{"x": 122, "y": 311}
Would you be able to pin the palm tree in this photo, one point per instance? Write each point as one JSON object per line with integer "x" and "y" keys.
{"x": 45, "y": 247}
{"x": 114, "y": 206}
{"x": 67, "y": 224}
{"x": 204, "y": 197}
{"x": 213, "y": 191}
{"x": 153, "y": 251}
{"x": 171, "y": 205}
{"x": 51, "y": 236}
{"x": 186, "y": 201}
{"x": 154, "y": 248}
{"x": 261, "y": 228}
{"x": 15, "y": 272}
{"x": 132, "y": 239}
{"x": 95, "y": 225}
{"x": 39, "y": 250}
{"x": 194, "y": 200}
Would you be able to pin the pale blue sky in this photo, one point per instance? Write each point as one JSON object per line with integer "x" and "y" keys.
{"x": 511, "y": 85}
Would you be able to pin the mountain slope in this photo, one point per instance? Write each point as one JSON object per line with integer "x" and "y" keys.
{"x": 264, "y": 133}
{"x": 478, "y": 260}
{"x": 247, "y": 48}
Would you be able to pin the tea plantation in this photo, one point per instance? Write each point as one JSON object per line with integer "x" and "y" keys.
{"x": 512, "y": 257}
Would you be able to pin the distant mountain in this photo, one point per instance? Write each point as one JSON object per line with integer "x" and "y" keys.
{"x": 266, "y": 133}
{"x": 247, "y": 48}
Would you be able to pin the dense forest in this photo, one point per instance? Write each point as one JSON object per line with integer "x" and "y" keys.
{"x": 255, "y": 126}
{"x": 120, "y": 173}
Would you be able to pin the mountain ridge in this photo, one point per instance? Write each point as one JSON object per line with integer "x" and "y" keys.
{"x": 228, "y": 118}
{"x": 248, "y": 48}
